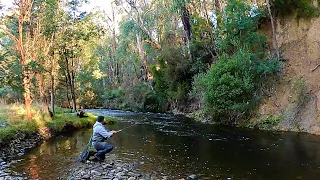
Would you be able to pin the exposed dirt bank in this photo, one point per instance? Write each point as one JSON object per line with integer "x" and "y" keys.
{"x": 294, "y": 99}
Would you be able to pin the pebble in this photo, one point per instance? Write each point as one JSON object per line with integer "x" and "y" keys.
{"x": 107, "y": 166}
{"x": 95, "y": 173}
{"x": 192, "y": 176}
{"x": 18, "y": 146}
{"x": 109, "y": 169}
{"x": 86, "y": 176}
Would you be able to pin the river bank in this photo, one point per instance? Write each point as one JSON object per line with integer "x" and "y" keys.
{"x": 166, "y": 146}
{"x": 17, "y": 135}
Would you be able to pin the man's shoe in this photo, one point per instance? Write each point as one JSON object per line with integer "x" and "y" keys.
{"x": 98, "y": 157}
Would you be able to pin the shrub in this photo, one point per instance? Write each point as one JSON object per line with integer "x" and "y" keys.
{"x": 300, "y": 90}
{"x": 13, "y": 118}
{"x": 270, "y": 122}
{"x": 113, "y": 98}
{"x": 303, "y": 8}
{"x": 231, "y": 87}
{"x": 143, "y": 98}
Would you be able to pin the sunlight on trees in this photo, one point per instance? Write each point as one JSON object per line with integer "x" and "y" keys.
{"x": 56, "y": 53}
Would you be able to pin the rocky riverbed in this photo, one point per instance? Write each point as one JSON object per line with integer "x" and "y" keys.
{"x": 18, "y": 145}
{"x": 110, "y": 168}
{"x": 12, "y": 150}
{"x": 7, "y": 174}
{"x": 115, "y": 169}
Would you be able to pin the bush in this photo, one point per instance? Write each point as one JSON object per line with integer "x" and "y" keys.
{"x": 303, "y": 8}
{"x": 300, "y": 90}
{"x": 7, "y": 95}
{"x": 231, "y": 87}
{"x": 13, "y": 118}
{"x": 114, "y": 98}
{"x": 270, "y": 122}
{"x": 142, "y": 97}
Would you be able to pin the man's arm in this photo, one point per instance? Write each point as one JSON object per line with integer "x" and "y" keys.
{"x": 103, "y": 132}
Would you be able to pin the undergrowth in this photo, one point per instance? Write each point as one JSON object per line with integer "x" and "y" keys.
{"x": 12, "y": 121}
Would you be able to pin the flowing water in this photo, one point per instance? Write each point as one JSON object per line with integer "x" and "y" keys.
{"x": 177, "y": 147}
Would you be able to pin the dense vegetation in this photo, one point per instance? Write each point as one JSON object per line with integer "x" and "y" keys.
{"x": 161, "y": 55}
{"x": 12, "y": 123}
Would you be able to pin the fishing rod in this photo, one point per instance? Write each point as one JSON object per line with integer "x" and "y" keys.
{"x": 126, "y": 127}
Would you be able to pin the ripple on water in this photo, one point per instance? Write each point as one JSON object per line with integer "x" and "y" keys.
{"x": 170, "y": 146}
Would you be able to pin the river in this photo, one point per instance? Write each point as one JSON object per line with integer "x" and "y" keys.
{"x": 178, "y": 147}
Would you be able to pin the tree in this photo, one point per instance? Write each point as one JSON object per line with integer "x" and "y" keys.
{"x": 232, "y": 86}
{"x": 23, "y": 44}
{"x": 274, "y": 35}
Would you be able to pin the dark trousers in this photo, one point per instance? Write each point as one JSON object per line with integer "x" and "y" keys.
{"x": 102, "y": 148}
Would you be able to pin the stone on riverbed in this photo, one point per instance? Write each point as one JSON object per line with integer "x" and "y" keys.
{"x": 86, "y": 176}
{"x": 192, "y": 176}
{"x": 111, "y": 168}
{"x": 95, "y": 173}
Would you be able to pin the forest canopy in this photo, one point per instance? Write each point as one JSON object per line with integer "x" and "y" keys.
{"x": 161, "y": 56}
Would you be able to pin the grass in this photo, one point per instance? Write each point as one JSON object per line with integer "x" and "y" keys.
{"x": 13, "y": 117}
{"x": 270, "y": 122}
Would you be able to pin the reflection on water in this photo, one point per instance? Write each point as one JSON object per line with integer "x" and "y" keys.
{"x": 32, "y": 168}
{"x": 177, "y": 147}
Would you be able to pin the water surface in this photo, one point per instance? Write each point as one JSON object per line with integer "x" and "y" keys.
{"x": 177, "y": 147}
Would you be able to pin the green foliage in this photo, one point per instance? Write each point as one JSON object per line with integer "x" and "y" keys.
{"x": 202, "y": 47}
{"x": 177, "y": 5}
{"x": 202, "y": 57}
{"x": 115, "y": 94}
{"x": 172, "y": 77}
{"x": 60, "y": 122}
{"x": 143, "y": 98}
{"x": 59, "y": 110}
{"x": 270, "y": 122}
{"x": 300, "y": 89}
{"x": 238, "y": 29}
{"x": 7, "y": 94}
{"x": 13, "y": 117}
{"x": 302, "y": 8}
{"x": 231, "y": 86}
{"x": 12, "y": 131}
{"x": 114, "y": 97}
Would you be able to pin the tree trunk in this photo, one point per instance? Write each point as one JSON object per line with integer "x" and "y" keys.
{"x": 185, "y": 18}
{"x": 52, "y": 93}
{"x": 41, "y": 90}
{"x": 27, "y": 94}
{"x": 67, "y": 86}
{"x": 70, "y": 78}
{"x": 73, "y": 94}
{"x": 115, "y": 46}
{"x": 23, "y": 61}
{"x": 274, "y": 35}
{"x": 143, "y": 61}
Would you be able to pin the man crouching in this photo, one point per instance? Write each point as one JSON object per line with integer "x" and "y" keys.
{"x": 101, "y": 133}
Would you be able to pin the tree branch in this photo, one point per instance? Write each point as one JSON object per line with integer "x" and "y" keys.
{"x": 315, "y": 68}
{"x": 10, "y": 34}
